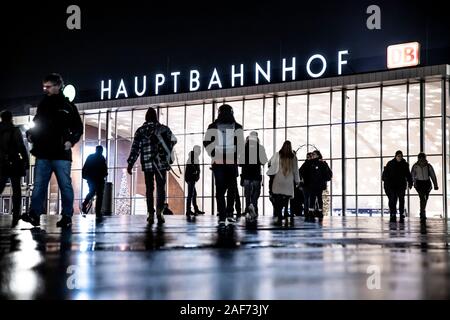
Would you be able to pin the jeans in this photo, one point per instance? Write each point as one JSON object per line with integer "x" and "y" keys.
{"x": 17, "y": 192}
{"x": 95, "y": 188}
{"x": 42, "y": 174}
{"x": 423, "y": 188}
{"x": 191, "y": 196}
{"x": 280, "y": 202}
{"x": 225, "y": 181}
{"x": 252, "y": 190}
{"x": 315, "y": 200}
{"x": 394, "y": 195}
{"x": 237, "y": 199}
{"x": 160, "y": 177}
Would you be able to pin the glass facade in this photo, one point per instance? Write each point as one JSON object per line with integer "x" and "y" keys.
{"x": 357, "y": 131}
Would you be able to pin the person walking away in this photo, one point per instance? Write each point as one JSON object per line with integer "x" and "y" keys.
{"x": 154, "y": 143}
{"x": 57, "y": 128}
{"x": 224, "y": 143}
{"x": 283, "y": 166}
{"x": 14, "y": 161}
{"x": 191, "y": 176}
{"x": 94, "y": 172}
{"x": 251, "y": 177}
{"x": 421, "y": 173}
{"x": 397, "y": 177}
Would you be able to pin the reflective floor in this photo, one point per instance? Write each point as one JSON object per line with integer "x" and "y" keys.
{"x": 121, "y": 258}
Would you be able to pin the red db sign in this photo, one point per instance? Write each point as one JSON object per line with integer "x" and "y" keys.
{"x": 403, "y": 55}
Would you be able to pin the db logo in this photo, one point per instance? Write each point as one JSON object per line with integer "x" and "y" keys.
{"x": 403, "y": 55}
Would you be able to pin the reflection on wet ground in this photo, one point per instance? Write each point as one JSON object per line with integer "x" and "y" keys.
{"x": 120, "y": 257}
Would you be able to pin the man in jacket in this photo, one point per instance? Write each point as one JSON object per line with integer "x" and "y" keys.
{"x": 421, "y": 172}
{"x": 94, "y": 172}
{"x": 154, "y": 143}
{"x": 224, "y": 142}
{"x": 396, "y": 177}
{"x": 191, "y": 176}
{"x": 13, "y": 161}
{"x": 57, "y": 128}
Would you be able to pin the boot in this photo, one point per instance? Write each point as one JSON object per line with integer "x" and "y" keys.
{"x": 65, "y": 222}
{"x": 160, "y": 216}
{"x": 393, "y": 218}
{"x": 151, "y": 218}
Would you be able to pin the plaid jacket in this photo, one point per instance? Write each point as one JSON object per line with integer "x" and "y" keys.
{"x": 154, "y": 143}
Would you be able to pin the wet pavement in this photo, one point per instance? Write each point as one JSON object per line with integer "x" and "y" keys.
{"x": 121, "y": 258}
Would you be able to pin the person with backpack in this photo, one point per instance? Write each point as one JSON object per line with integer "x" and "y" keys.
{"x": 191, "y": 176}
{"x": 94, "y": 172}
{"x": 397, "y": 177}
{"x": 14, "y": 161}
{"x": 315, "y": 173}
{"x": 154, "y": 143}
{"x": 283, "y": 166}
{"x": 421, "y": 172}
{"x": 224, "y": 143}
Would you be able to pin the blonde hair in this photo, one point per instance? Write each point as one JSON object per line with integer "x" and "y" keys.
{"x": 286, "y": 158}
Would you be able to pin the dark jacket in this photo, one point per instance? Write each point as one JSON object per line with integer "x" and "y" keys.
{"x": 57, "y": 120}
{"x": 154, "y": 143}
{"x": 255, "y": 158}
{"x": 224, "y": 142}
{"x": 315, "y": 174}
{"x": 95, "y": 168}
{"x": 13, "y": 154}
{"x": 192, "y": 173}
{"x": 396, "y": 175}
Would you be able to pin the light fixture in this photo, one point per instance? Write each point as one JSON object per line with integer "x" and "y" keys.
{"x": 70, "y": 92}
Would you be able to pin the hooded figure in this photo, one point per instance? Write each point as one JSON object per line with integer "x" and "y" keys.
{"x": 421, "y": 173}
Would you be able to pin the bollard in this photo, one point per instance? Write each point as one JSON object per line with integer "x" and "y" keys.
{"x": 107, "y": 199}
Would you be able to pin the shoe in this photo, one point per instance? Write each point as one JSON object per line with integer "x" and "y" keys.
{"x": 190, "y": 213}
{"x": 151, "y": 218}
{"x": 31, "y": 218}
{"x": 221, "y": 223}
{"x": 198, "y": 212}
{"x": 393, "y": 218}
{"x": 65, "y": 222}
{"x": 160, "y": 217}
{"x": 319, "y": 215}
{"x": 231, "y": 220}
{"x": 402, "y": 218}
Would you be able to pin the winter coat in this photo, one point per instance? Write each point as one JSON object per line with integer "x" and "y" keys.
{"x": 396, "y": 175}
{"x": 56, "y": 121}
{"x": 224, "y": 142}
{"x": 192, "y": 173}
{"x": 95, "y": 168}
{"x": 14, "y": 158}
{"x": 423, "y": 171}
{"x": 154, "y": 142}
{"x": 315, "y": 174}
{"x": 283, "y": 185}
{"x": 255, "y": 158}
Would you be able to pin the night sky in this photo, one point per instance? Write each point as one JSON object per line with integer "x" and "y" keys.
{"x": 130, "y": 38}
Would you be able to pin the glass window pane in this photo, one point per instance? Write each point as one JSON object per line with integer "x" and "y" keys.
{"x": 369, "y": 176}
{"x": 368, "y": 104}
{"x": 103, "y": 125}
{"x": 138, "y": 118}
{"x": 162, "y": 115}
{"x": 350, "y": 188}
{"x": 253, "y": 114}
{"x": 433, "y": 136}
{"x": 91, "y": 126}
{"x": 124, "y": 124}
{"x": 414, "y": 137}
{"x": 320, "y": 137}
{"x": 194, "y": 119}
{"x": 208, "y": 119}
{"x": 337, "y": 206}
{"x": 350, "y": 106}
{"x": 123, "y": 151}
{"x": 296, "y": 110}
{"x": 268, "y": 112}
{"x": 280, "y": 112}
{"x": 176, "y": 120}
{"x": 350, "y": 206}
{"x": 394, "y": 102}
{"x": 433, "y": 99}
{"x": 350, "y": 140}
{"x": 336, "y": 141}
{"x": 368, "y": 137}
{"x": 369, "y": 205}
{"x": 436, "y": 162}
{"x": 319, "y": 108}
{"x": 394, "y": 137}
{"x": 207, "y": 180}
{"x": 336, "y": 181}
{"x": 268, "y": 142}
{"x": 414, "y": 101}
{"x": 298, "y": 138}
{"x": 280, "y": 139}
{"x": 435, "y": 207}
{"x": 336, "y": 107}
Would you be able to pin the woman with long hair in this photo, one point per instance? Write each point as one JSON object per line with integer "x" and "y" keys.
{"x": 283, "y": 167}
